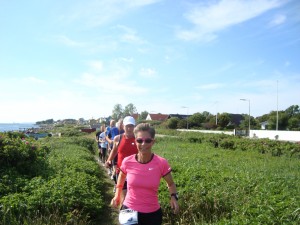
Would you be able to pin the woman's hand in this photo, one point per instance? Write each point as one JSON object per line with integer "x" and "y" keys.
{"x": 174, "y": 205}
{"x": 115, "y": 202}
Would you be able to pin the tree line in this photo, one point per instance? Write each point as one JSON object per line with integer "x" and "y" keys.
{"x": 288, "y": 119}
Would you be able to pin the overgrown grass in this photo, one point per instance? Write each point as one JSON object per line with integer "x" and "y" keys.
{"x": 69, "y": 188}
{"x": 219, "y": 186}
{"x": 220, "y": 179}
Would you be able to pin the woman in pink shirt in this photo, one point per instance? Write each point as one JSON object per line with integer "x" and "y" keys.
{"x": 143, "y": 172}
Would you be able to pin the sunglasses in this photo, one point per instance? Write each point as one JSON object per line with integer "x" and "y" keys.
{"x": 146, "y": 140}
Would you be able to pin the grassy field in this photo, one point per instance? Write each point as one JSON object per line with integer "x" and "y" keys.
{"x": 220, "y": 180}
{"x": 218, "y": 186}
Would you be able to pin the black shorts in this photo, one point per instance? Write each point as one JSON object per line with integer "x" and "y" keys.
{"x": 104, "y": 151}
{"x": 153, "y": 218}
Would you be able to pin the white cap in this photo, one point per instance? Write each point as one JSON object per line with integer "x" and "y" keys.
{"x": 129, "y": 120}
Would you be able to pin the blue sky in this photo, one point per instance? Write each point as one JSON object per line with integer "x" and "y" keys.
{"x": 75, "y": 58}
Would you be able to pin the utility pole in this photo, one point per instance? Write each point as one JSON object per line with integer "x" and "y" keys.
{"x": 187, "y": 115}
{"x": 243, "y": 99}
{"x": 277, "y": 109}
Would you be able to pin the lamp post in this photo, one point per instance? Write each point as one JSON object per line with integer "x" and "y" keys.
{"x": 187, "y": 113}
{"x": 243, "y": 99}
{"x": 277, "y": 109}
{"x": 216, "y": 102}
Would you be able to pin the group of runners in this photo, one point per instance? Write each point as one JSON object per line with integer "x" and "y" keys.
{"x": 126, "y": 149}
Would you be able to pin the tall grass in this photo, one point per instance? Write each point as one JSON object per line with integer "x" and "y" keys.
{"x": 68, "y": 190}
{"x": 219, "y": 186}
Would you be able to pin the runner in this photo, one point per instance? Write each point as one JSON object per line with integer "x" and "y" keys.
{"x": 143, "y": 172}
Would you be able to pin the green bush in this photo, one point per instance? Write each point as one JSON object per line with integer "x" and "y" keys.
{"x": 64, "y": 182}
{"x": 23, "y": 154}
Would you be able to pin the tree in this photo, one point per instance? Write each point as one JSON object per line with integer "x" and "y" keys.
{"x": 254, "y": 123}
{"x": 294, "y": 123}
{"x": 117, "y": 112}
{"x": 144, "y": 115}
{"x": 263, "y": 118}
{"x": 129, "y": 110}
{"x": 182, "y": 124}
{"x": 207, "y": 116}
{"x": 172, "y": 123}
{"x": 211, "y": 124}
{"x": 196, "y": 120}
{"x": 48, "y": 121}
{"x": 292, "y": 110}
{"x": 283, "y": 119}
{"x": 223, "y": 120}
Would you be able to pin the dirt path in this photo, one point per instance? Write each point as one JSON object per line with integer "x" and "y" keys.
{"x": 111, "y": 217}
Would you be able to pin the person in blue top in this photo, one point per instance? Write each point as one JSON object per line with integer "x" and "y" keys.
{"x": 111, "y": 133}
{"x": 103, "y": 143}
{"x": 114, "y": 131}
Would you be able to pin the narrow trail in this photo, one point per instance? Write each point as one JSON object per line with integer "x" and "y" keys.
{"x": 111, "y": 217}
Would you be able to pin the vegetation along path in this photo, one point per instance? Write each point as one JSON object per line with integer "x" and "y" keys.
{"x": 221, "y": 179}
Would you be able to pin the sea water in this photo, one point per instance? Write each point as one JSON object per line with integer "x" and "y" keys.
{"x": 16, "y": 126}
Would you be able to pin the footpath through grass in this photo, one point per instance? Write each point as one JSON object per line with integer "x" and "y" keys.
{"x": 220, "y": 179}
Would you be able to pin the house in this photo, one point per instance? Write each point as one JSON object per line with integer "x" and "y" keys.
{"x": 157, "y": 117}
{"x": 93, "y": 121}
{"x": 179, "y": 116}
{"x": 81, "y": 121}
{"x": 264, "y": 125}
{"x": 95, "y": 126}
{"x": 88, "y": 130}
{"x": 69, "y": 121}
{"x": 235, "y": 119}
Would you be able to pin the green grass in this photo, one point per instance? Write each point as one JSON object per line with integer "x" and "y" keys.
{"x": 69, "y": 187}
{"x": 245, "y": 182}
{"x": 220, "y": 186}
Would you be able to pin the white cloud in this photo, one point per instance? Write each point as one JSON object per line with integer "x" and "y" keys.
{"x": 147, "y": 72}
{"x": 127, "y": 60}
{"x": 212, "y": 86}
{"x": 96, "y": 13}
{"x": 34, "y": 80}
{"x": 130, "y": 35}
{"x": 139, "y": 3}
{"x": 226, "y": 67}
{"x": 96, "y": 65}
{"x": 278, "y": 20}
{"x": 209, "y": 19}
{"x": 112, "y": 78}
{"x": 68, "y": 41}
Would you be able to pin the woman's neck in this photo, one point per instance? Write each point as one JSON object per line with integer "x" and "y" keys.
{"x": 144, "y": 158}
{"x": 129, "y": 135}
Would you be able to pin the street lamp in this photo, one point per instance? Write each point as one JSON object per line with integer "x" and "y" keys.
{"x": 216, "y": 102}
{"x": 243, "y": 99}
{"x": 277, "y": 109}
{"x": 187, "y": 113}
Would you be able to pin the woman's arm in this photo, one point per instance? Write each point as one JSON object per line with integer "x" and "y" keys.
{"x": 116, "y": 201}
{"x": 172, "y": 189}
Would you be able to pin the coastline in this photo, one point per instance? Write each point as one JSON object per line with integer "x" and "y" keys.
{"x": 5, "y": 127}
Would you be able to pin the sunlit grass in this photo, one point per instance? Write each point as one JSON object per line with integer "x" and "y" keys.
{"x": 220, "y": 186}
